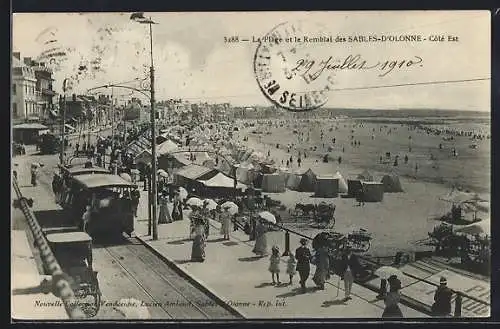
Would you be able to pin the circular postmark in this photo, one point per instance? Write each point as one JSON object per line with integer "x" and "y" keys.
{"x": 287, "y": 72}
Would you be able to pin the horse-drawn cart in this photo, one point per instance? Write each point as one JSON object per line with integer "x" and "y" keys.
{"x": 337, "y": 243}
{"x": 321, "y": 215}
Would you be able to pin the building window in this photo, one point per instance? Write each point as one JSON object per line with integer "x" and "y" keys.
{"x": 14, "y": 109}
{"x": 26, "y": 89}
{"x": 13, "y": 89}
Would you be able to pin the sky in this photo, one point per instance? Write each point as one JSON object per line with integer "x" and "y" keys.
{"x": 193, "y": 62}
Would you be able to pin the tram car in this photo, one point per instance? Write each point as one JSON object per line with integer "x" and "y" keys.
{"x": 108, "y": 198}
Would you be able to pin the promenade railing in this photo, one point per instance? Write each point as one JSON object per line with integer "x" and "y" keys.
{"x": 60, "y": 285}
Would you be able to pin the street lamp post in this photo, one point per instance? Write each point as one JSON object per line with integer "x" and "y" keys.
{"x": 139, "y": 17}
{"x": 63, "y": 123}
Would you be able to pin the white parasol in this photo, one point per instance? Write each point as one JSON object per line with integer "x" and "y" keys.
{"x": 183, "y": 193}
{"x": 266, "y": 215}
{"x": 126, "y": 176}
{"x": 211, "y": 204}
{"x": 195, "y": 202}
{"x": 385, "y": 272}
{"x": 233, "y": 207}
{"x": 162, "y": 173}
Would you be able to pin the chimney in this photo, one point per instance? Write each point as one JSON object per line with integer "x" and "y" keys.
{"x": 27, "y": 61}
{"x": 17, "y": 55}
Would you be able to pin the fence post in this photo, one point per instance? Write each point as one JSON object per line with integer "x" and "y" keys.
{"x": 252, "y": 230}
{"x": 458, "y": 306}
{"x": 287, "y": 244}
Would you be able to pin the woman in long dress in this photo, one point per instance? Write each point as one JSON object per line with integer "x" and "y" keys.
{"x": 392, "y": 298}
{"x": 260, "y": 247}
{"x": 177, "y": 211}
{"x": 322, "y": 272}
{"x": 163, "y": 217}
{"x": 225, "y": 223}
{"x": 198, "y": 248}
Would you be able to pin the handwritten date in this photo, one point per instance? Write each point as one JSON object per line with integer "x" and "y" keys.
{"x": 310, "y": 70}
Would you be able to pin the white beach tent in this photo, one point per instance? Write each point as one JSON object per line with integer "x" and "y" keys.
{"x": 342, "y": 182}
{"x": 243, "y": 172}
{"x": 221, "y": 180}
{"x": 166, "y": 147}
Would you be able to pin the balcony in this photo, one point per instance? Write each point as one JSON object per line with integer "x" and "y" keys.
{"x": 48, "y": 92}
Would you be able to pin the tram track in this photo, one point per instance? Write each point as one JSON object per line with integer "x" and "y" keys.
{"x": 166, "y": 290}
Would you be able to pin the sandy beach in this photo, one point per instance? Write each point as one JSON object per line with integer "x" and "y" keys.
{"x": 402, "y": 218}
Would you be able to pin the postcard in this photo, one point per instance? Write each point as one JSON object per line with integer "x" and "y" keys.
{"x": 251, "y": 165}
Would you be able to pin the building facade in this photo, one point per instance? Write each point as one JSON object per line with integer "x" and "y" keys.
{"x": 23, "y": 90}
{"x": 32, "y": 93}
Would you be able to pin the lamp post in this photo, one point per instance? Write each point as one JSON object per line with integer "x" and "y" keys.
{"x": 63, "y": 123}
{"x": 139, "y": 17}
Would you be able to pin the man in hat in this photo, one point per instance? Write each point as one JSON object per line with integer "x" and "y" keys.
{"x": 303, "y": 256}
{"x": 442, "y": 299}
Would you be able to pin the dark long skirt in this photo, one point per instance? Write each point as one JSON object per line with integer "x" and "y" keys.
{"x": 198, "y": 249}
{"x": 392, "y": 312}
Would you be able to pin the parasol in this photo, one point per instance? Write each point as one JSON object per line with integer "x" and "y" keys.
{"x": 211, "y": 204}
{"x": 183, "y": 193}
{"x": 126, "y": 177}
{"x": 266, "y": 215}
{"x": 163, "y": 173}
{"x": 233, "y": 207}
{"x": 194, "y": 202}
{"x": 385, "y": 272}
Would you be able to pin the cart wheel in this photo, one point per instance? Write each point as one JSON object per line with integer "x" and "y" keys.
{"x": 366, "y": 246}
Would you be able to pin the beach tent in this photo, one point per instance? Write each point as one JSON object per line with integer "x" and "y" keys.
{"x": 172, "y": 161}
{"x": 273, "y": 183}
{"x": 366, "y": 176}
{"x": 244, "y": 172}
{"x": 166, "y": 147}
{"x": 354, "y": 186}
{"x": 190, "y": 176}
{"x": 224, "y": 167}
{"x": 391, "y": 184}
{"x": 326, "y": 187}
{"x": 307, "y": 182}
{"x": 143, "y": 157}
{"x": 221, "y": 180}
{"x": 293, "y": 181}
{"x": 373, "y": 192}
{"x": 343, "y": 188}
{"x": 257, "y": 181}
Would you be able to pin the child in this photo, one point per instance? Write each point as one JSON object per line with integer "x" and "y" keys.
{"x": 291, "y": 266}
{"x": 274, "y": 266}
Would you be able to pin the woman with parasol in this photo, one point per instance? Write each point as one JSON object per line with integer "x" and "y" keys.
{"x": 260, "y": 247}
{"x": 225, "y": 219}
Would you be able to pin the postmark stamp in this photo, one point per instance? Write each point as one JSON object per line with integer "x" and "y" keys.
{"x": 282, "y": 65}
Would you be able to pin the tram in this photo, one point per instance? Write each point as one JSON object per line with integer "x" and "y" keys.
{"x": 107, "y": 197}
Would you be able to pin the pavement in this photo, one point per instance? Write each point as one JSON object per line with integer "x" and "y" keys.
{"x": 28, "y": 302}
{"x": 233, "y": 274}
